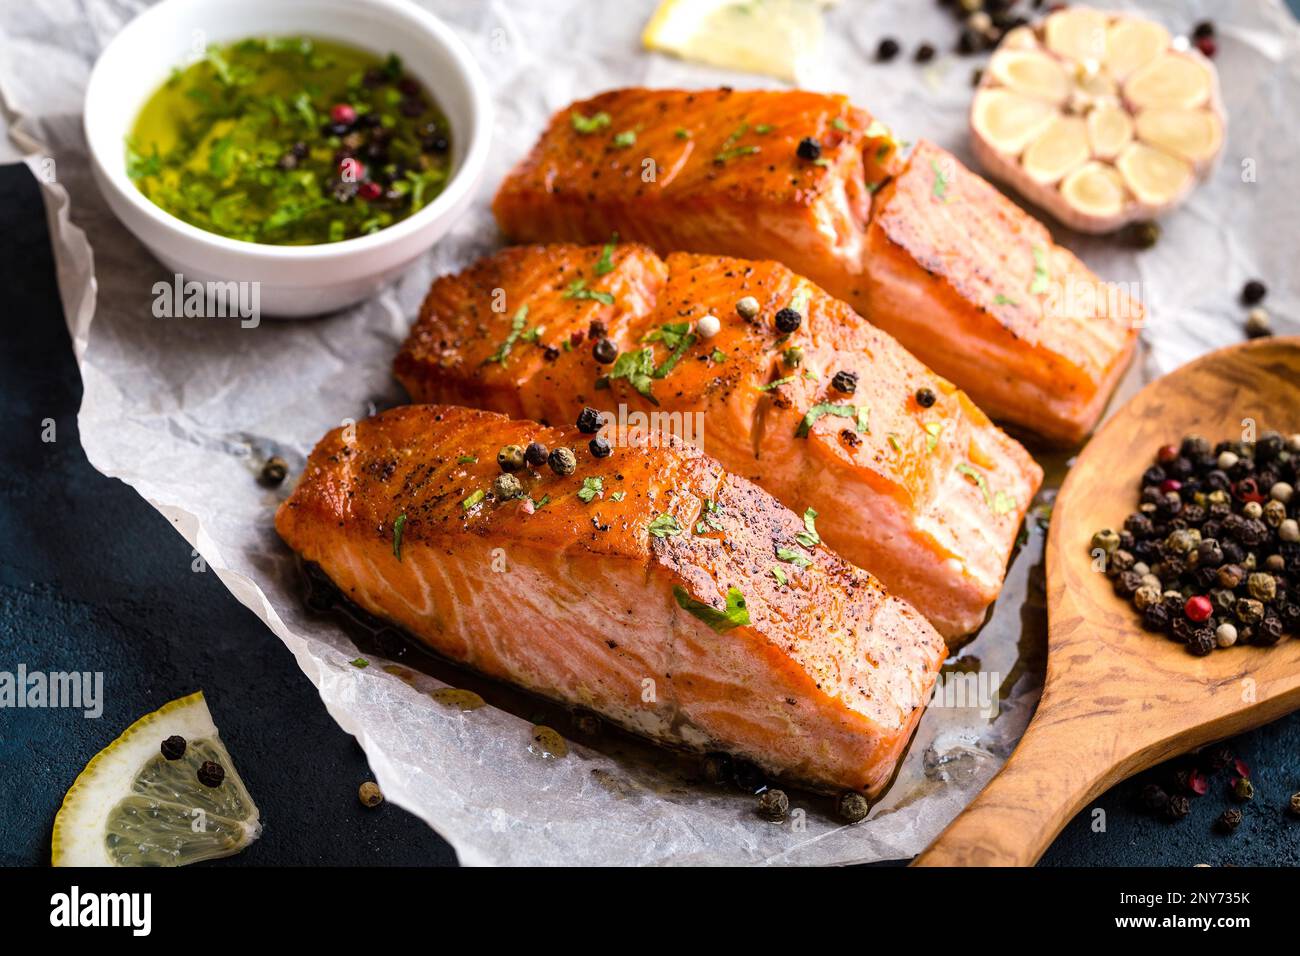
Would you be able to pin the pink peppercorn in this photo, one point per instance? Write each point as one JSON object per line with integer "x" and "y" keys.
{"x": 1166, "y": 454}
{"x": 343, "y": 113}
{"x": 1207, "y": 46}
{"x": 1198, "y": 608}
{"x": 1170, "y": 484}
{"x": 370, "y": 191}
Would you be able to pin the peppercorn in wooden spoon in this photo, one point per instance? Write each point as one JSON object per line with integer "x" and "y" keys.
{"x": 1119, "y": 698}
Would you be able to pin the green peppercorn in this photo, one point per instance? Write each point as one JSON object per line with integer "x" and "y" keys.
{"x": 563, "y": 461}
{"x": 1295, "y": 804}
{"x": 369, "y": 794}
{"x": 507, "y": 487}
{"x": 773, "y": 805}
{"x": 510, "y": 458}
{"x": 1262, "y": 586}
{"x": 1243, "y": 789}
{"x": 1105, "y": 540}
{"x": 852, "y": 807}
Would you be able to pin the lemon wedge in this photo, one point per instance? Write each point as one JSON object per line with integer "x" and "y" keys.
{"x": 132, "y": 806}
{"x": 774, "y": 37}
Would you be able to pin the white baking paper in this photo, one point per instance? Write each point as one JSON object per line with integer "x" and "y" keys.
{"x": 185, "y": 410}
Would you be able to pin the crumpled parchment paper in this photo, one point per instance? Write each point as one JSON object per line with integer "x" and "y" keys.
{"x": 185, "y": 410}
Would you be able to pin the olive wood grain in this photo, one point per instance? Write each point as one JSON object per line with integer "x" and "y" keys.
{"x": 1117, "y": 698}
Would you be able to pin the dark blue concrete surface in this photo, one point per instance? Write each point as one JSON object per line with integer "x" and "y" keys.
{"x": 93, "y": 579}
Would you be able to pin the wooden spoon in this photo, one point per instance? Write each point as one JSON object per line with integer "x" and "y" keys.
{"x": 1117, "y": 698}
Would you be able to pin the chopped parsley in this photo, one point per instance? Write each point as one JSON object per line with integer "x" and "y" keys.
{"x": 859, "y": 414}
{"x": 709, "y": 520}
{"x": 793, "y": 356}
{"x": 589, "y": 124}
{"x": 638, "y": 368}
{"x": 591, "y": 487}
{"x": 473, "y": 499}
{"x": 894, "y": 443}
{"x": 625, "y": 138}
{"x": 809, "y": 537}
{"x": 399, "y": 523}
{"x": 517, "y": 325}
{"x": 999, "y": 502}
{"x": 618, "y": 495}
{"x": 538, "y": 505}
{"x": 791, "y": 556}
{"x": 577, "y": 289}
{"x": 839, "y": 124}
{"x": 762, "y": 129}
{"x": 718, "y": 355}
{"x": 359, "y": 662}
{"x": 682, "y": 133}
{"x": 467, "y": 460}
{"x": 730, "y": 150}
{"x": 777, "y": 384}
{"x": 932, "y": 431}
{"x": 664, "y": 526}
{"x": 1001, "y": 299}
{"x": 606, "y": 263}
{"x": 779, "y": 574}
{"x": 735, "y": 615}
{"x": 1040, "y": 272}
{"x": 940, "y": 190}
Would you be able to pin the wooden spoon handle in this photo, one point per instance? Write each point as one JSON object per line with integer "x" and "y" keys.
{"x": 1016, "y": 817}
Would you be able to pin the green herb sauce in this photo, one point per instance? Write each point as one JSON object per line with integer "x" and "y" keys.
{"x": 290, "y": 141}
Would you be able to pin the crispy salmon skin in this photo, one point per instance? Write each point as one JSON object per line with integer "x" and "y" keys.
{"x": 640, "y": 587}
{"x": 907, "y": 478}
{"x": 925, "y": 249}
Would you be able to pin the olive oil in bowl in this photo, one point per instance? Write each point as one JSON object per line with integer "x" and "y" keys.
{"x": 290, "y": 141}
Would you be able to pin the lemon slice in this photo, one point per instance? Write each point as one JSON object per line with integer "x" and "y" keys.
{"x": 773, "y": 37}
{"x": 132, "y": 806}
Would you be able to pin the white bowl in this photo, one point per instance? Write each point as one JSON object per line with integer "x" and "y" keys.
{"x": 294, "y": 280}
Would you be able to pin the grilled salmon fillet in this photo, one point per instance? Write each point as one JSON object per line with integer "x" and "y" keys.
{"x": 640, "y": 586}
{"x": 927, "y": 250}
{"x": 908, "y": 478}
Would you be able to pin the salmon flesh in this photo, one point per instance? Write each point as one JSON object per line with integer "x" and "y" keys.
{"x": 926, "y": 249}
{"x": 907, "y": 477}
{"x": 640, "y": 586}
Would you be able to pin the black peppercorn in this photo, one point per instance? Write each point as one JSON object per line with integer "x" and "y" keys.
{"x": 773, "y": 805}
{"x": 809, "y": 148}
{"x": 970, "y": 41}
{"x": 590, "y": 421}
{"x": 925, "y": 397}
{"x": 716, "y": 768}
{"x": 600, "y": 447}
{"x": 924, "y": 53}
{"x": 1229, "y": 820}
{"x": 604, "y": 351}
{"x": 173, "y": 748}
{"x": 845, "y": 381}
{"x": 563, "y": 461}
{"x": 1253, "y": 292}
{"x": 1178, "y": 807}
{"x": 211, "y": 774}
{"x": 1218, "y": 758}
{"x": 1202, "y": 641}
{"x": 1203, "y": 30}
{"x": 535, "y": 454}
{"x": 1155, "y": 618}
{"x": 887, "y": 50}
{"x": 747, "y": 777}
{"x": 1154, "y": 798}
{"x": 788, "y": 320}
